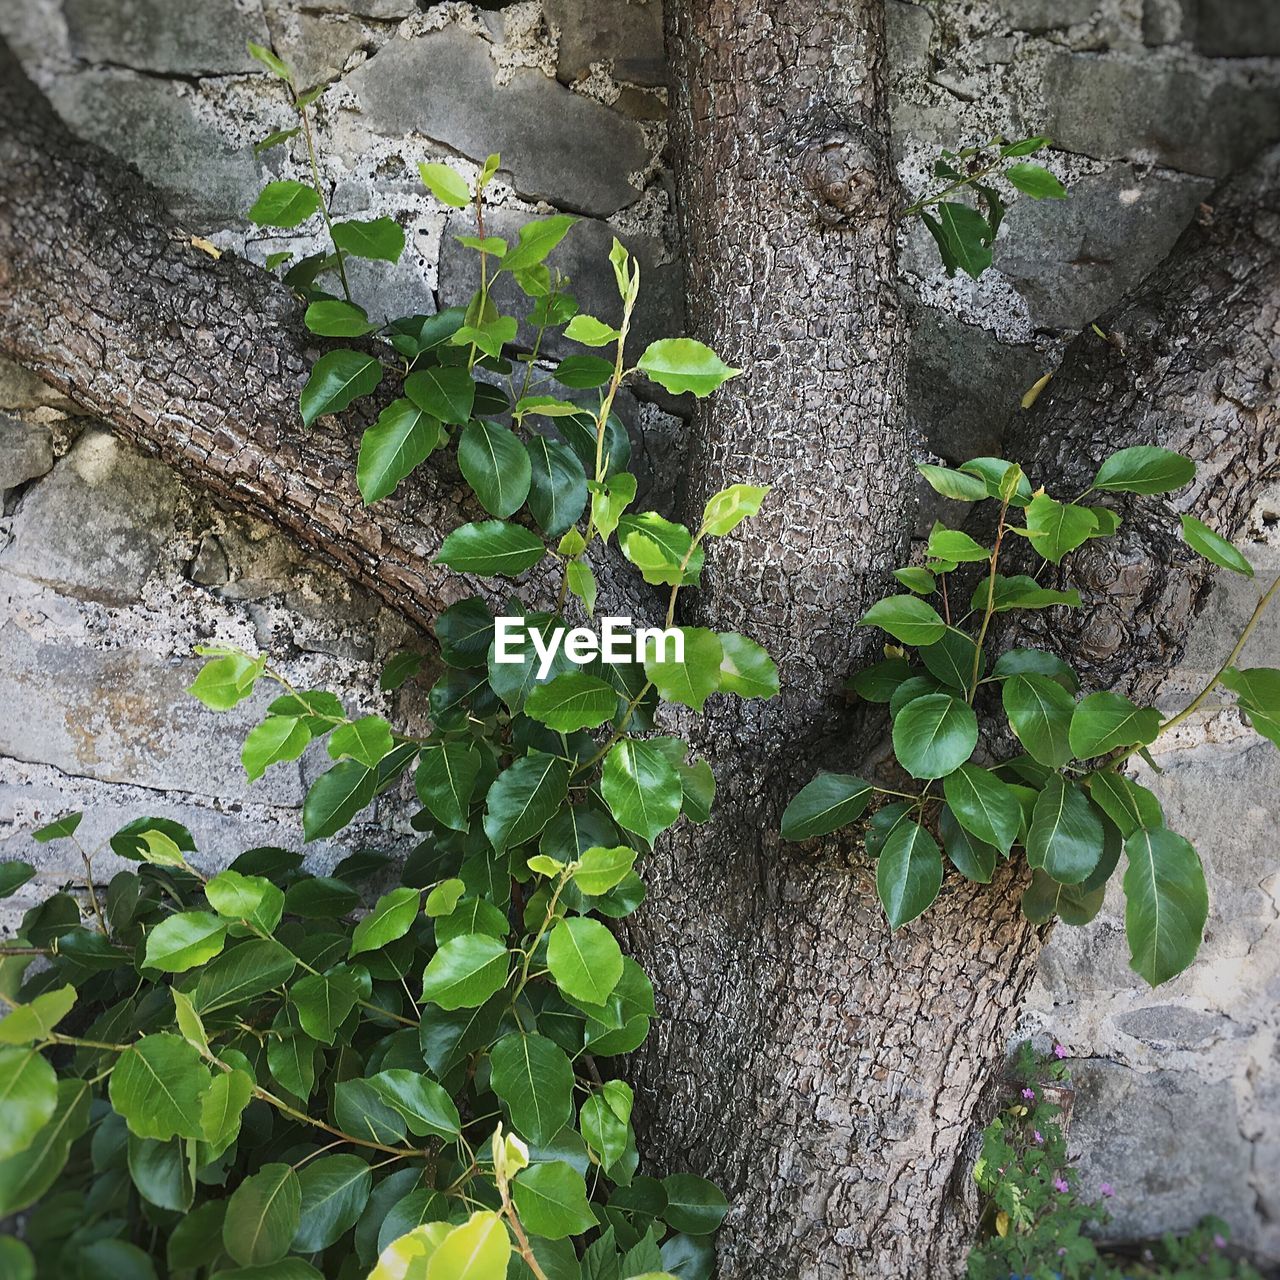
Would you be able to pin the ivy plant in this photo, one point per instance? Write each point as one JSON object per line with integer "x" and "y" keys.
{"x": 404, "y": 1073}
{"x": 1065, "y": 803}
{"x": 964, "y": 232}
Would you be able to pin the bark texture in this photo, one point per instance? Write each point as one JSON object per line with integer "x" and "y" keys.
{"x": 197, "y": 360}
{"x": 826, "y": 1070}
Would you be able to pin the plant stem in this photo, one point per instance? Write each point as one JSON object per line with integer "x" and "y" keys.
{"x": 991, "y": 604}
{"x": 966, "y": 181}
{"x": 315, "y": 182}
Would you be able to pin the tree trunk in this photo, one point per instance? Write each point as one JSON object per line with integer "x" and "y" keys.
{"x": 827, "y": 1070}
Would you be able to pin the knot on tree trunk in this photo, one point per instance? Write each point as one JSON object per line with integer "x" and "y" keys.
{"x": 837, "y": 163}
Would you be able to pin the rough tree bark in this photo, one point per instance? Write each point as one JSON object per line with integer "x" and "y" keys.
{"x": 827, "y": 1071}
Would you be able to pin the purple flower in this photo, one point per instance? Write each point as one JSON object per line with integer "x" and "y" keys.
{"x": 1029, "y": 1094}
{"x": 1062, "y": 1253}
{"x": 1106, "y": 1189}
{"x": 1038, "y": 1136}
{"x": 1061, "y": 1184}
{"x": 1061, "y": 1051}
{"x": 1219, "y": 1242}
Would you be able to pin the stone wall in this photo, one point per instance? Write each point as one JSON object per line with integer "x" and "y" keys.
{"x": 111, "y": 569}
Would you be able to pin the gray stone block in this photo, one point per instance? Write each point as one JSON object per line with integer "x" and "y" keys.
{"x": 964, "y": 384}
{"x": 26, "y": 452}
{"x": 1175, "y": 1026}
{"x": 555, "y": 144}
{"x": 583, "y": 255}
{"x": 154, "y": 125}
{"x": 626, "y": 32}
{"x": 1072, "y": 259}
{"x": 1039, "y": 16}
{"x": 205, "y": 38}
{"x": 1169, "y": 1142}
{"x": 95, "y": 527}
{"x": 1235, "y": 28}
{"x": 1197, "y": 120}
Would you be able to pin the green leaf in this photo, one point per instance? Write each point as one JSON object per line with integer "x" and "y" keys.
{"x": 572, "y": 701}
{"x": 335, "y": 1190}
{"x": 29, "y": 1098}
{"x": 181, "y": 942}
{"x": 963, "y": 236}
{"x": 934, "y": 735}
{"x": 157, "y": 1086}
{"x": 1200, "y": 538}
{"x": 585, "y": 960}
{"x": 951, "y": 660}
{"x": 1025, "y": 147}
{"x": 1034, "y": 662}
{"x": 731, "y": 506}
{"x": 243, "y": 972}
{"x": 908, "y": 873}
{"x": 284, "y": 204}
{"x": 955, "y": 546}
{"x": 379, "y": 238}
{"x": 1103, "y": 721}
{"x": 983, "y": 805}
{"x": 1074, "y": 904}
{"x": 1040, "y": 712}
{"x": 1055, "y": 528}
{"x": 269, "y": 60}
{"x": 276, "y": 739}
{"x": 336, "y": 380}
{"x": 524, "y": 798}
{"x": 1144, "y": 469}
{"x": 446, "y": 392}
{"x": 35, "y": 1020}
{"x": 642, "y": 788}
{"x": 590, "y": 332}
{"x": 537, "y": 239}
{"x": 59, "y": 829}
{"x": 246, "y": 897}
{"x": 331, "y": 318}
{"x": 1035, "y": 181}
{"x": 694, "y": 1205}
{"x": 27, "y": 1175}
{"x": 599, "y": 869}
{"x": 533, "y": 1077}
{"x": 682, "y": 364}
{"x": 1258, "y": 691}
{"x": 921, "y": 581}
{"x": 366, "y": 741}
{"x": 1128, "y": 805}
{"x": 973, "y": 858}
{"x": 446, "y": 184}
{"x": 427, "y": 1108}
{"x": 1065, "y": 837}
{"x": 489, "y": 337}
{"x": 551, "y": 1200}
{"x": 226, "y": 680}
{"x": 491, "y": 547}
{"x": 692, "y": 679}
{"x": 466, "y": 971}
{"x": 445, "y": 781}
{"x": 906, "y": 618}
{"x": 558, "y": 485}
{"x": 495, "y": 465}
{"x": 391, "y": 918}
{"x": 607, "y": 506}
{"x": 830, "y": 801}
{"x": 323, "y": 1001}
{"x": 953, "y": 484}
{"x": 335, "y": 797}
{"x": 1166, "y": 903}
{"x": 262, "y": 1216}
{"x": 222, "y": 1108}
{"x": 746, "y": 667}
{"x": 403, "y": 437}
{"x": 1019, "y": 592}
{"x": 400, "y": 668}
{"x": 16, "y": 1260}
{"x": 659, "y": 548}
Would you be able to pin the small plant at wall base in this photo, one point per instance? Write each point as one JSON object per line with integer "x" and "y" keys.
{"x": 1033, "y": 1217}
{"x": 246, "y": 1075}
{"x": 1066, "y": 803}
